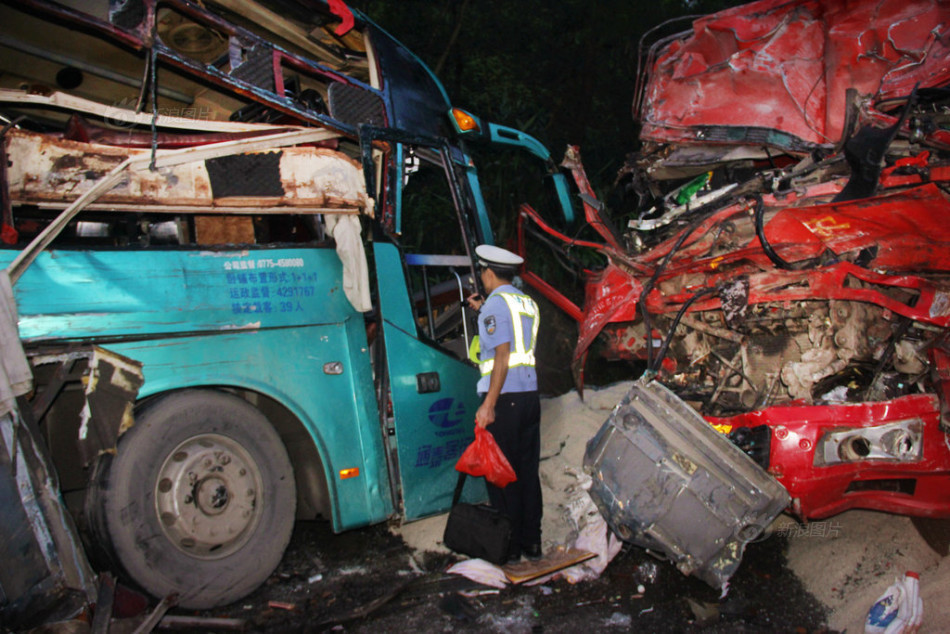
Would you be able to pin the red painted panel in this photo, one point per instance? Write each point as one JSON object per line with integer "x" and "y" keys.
{"x": 787, "y": 66}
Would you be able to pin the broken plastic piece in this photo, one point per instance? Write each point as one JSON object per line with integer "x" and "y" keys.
{"x": 899, "y": 610}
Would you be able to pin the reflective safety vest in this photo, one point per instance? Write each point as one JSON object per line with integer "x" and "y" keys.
{"x": 520, "y": 306}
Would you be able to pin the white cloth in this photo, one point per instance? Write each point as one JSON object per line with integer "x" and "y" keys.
{"x": 480, "y": 571}
{"x": 15, "y": 375}
{"x": 345, "y": 230}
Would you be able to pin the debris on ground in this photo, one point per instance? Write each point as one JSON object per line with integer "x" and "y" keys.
{"x": 899, "y": 610}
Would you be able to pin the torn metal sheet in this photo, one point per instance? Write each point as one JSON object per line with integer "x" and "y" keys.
{"x": 111, "y": 385}
{"x": 785, "y": 269}
{"x": 15, "y": 376}
{"x": 45, "y": 575}
{"x": 46, "y": 169}
{"x": 777, "y": 73}
{"x": 141, "y": 162}
{"x": 665, "y": 480}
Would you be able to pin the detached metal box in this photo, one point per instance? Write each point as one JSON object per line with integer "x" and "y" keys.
{"x": 665, "y": 480}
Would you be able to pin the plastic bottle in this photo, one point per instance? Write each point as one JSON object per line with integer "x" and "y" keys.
{"x": 899, "y": 610}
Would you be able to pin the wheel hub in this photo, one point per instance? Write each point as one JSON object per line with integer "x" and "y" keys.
{"x": 207, "y": 496}
{"x": 212, "y": 496}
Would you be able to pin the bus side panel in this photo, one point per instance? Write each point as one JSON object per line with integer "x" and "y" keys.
{"x": 146, "y": 292}
{"x": 261, "y": 319}
{"x": 432, "y": 427}
{"x": 338, "y": 410}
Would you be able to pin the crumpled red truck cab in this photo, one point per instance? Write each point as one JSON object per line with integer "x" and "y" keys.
{"x": 786, "y": 271}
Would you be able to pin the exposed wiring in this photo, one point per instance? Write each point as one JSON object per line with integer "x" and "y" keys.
{"x": 153, "y": 86}
{"x": 641, "y": 301}
{"x": 562, "y": 256}
{"x": 661, "y": 354}
{"x": 760, "y": 233}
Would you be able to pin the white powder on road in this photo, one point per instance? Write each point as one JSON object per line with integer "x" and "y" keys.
{"x": 847, "y": 562}
{"x": 567, "y": 423}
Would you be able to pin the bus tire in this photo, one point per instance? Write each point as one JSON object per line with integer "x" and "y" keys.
{"x": 199, "y": 499}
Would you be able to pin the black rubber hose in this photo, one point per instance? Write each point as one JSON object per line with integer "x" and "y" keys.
{"x": 760, "y": 232}
{"x": 642, "y": 301}
{"x": 655, "y": 368}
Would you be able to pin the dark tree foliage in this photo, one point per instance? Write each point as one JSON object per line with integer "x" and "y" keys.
{"x": 562, "y": 71}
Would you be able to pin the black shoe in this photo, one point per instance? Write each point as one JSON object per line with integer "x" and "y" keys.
{"x": 532, "y": 551}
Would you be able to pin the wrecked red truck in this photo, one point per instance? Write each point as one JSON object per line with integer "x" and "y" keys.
{"x": 785, "y": 264}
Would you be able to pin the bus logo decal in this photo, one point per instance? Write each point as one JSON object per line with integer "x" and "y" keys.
{"x": 446, "y": 412}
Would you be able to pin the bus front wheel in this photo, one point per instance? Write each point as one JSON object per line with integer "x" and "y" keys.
{"x": 199, "y": 499}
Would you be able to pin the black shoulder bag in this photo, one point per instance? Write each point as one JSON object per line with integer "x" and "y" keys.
{"x": 477, "y": 530}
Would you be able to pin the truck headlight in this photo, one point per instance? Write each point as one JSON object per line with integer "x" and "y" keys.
{"x": 901, "y": 441}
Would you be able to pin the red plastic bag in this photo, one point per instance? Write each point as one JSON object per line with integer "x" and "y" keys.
{"x": 484, "y": 458}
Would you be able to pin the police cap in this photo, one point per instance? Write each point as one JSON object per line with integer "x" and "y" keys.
{"x": 498, "y": 259}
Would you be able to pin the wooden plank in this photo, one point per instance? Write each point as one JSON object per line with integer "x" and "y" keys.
{"x": 216, "y": 230}
{"x": 552, "y": 561}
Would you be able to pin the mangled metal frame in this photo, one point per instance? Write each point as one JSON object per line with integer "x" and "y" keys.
{"x": 804, "y": 309}
{"x": 110, "y": 384}
{"x": 667, "y": 481}
{"x": 48, "y": 575}
{"x": 158, "y": 159}
{"x": 133, "y": 24}
{"x": 45, "y": 575}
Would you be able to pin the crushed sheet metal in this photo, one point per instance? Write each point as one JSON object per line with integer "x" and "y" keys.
{"x": 138, "y": 163}
{"x": 47, "y": 169}
{"x": 667, "y": 481}
{"x": 44, "y": 570}
{"x": 112, "y": 384}
{"x": 740, "y": 67}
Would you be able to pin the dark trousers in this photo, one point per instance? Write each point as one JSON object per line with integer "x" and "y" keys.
{"x": 517, "y": 430}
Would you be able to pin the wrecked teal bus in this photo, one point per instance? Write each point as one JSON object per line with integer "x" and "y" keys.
{"x": 204, "y": 237}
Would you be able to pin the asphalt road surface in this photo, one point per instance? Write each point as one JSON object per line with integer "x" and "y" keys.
{"x": 370, "y": 581}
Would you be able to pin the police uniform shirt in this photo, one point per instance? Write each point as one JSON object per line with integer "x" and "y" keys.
{"x": 494, "y": 328}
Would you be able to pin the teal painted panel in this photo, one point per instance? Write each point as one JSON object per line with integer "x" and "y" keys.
{"x": 432, "y": 429}
{"x": 393, "y": 292}
{"x": 339, "y": 411}
{"x": 483, "y": 223}
{"x": 262, "y": 319}
{"x": 135, "y": 292}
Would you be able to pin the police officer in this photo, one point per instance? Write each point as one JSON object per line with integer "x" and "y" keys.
{"x": 511, "y": 410}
